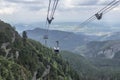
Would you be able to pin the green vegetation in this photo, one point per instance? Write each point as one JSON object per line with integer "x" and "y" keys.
{"x": 24, "y": 37}
{"x": 19, "y": 61}
{"x": 93, "y": 68}
{"x": 9, "y": 70}
{"x": 26, "y": 59}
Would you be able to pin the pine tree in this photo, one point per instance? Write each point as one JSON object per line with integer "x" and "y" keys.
{"x": 24, "y": 37}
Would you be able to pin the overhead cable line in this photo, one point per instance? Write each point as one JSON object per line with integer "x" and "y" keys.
{"x": 54, "y": 8}
{"x": 106, "y": 6}
{"x": 111, "y": 4}
{"x": 99, "y": 11}
{"x": 115, "y": 5}
{"x": 50, "y": 16}
{"x": 104, "y": 10}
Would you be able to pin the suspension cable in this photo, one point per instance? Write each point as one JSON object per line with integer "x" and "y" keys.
{"x": 101, "y": 11}
{"x": 54, "y": 8}
{"x": 50, "y": 14}
{"x": 104, "y": 10}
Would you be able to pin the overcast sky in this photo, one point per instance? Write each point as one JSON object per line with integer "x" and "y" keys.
{"x": 28, "y": 11}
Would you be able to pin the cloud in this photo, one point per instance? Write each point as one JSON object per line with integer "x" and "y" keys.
{"x": 27, "y": 11}
{"x": 7, "y": 8}
{"x": 7, "y": 11}
{"x": 25, "y": 1}
{"x": 79, "y": 3}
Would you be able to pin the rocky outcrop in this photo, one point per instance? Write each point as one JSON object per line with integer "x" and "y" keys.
{"x": 109, "y": 52}
{"x": 46, "y": 72}
{"x": 105, "y": 49}
{"x": 34, "y": 76}
{"x": 5, "y": 47}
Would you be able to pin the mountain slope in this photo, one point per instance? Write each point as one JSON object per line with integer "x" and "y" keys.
{"x": 68, "y": 40}
{"x": 9, "y": 70}
{"x": 111, "y": 36}
{"x": 35, "y": 61}
{"x": 79, "y": 63}
{"x": 93, "y": 69}
{"x": 106, "y": 49}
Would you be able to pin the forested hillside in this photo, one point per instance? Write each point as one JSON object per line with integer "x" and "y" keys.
{"x": 93, "y": 68}
{"x": 25, "y": 59}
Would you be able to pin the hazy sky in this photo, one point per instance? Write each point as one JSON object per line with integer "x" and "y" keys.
{"x": 28, "y": 11}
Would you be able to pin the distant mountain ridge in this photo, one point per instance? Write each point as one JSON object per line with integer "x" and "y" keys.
{"x": 103, "y": 49}
{"x": 112, "y": 36}
{"x": 92, "y": 28}
{"x": 68, "y": 40}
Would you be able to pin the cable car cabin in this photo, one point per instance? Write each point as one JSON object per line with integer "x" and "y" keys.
{"x": 99, "y": 16}
{"x": 56, "y": 50}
